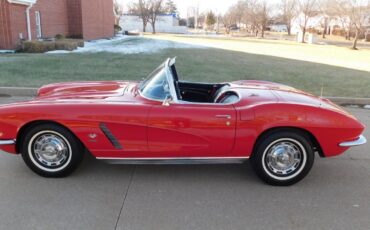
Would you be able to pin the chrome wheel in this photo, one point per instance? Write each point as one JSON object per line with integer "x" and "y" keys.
{"x": 49, "y": 151}
{"x": 283, "y": 159}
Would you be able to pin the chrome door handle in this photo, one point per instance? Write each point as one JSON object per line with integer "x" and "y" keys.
{"x": 226, "y": 116}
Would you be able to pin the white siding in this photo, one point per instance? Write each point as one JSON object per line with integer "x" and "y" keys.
{"x": 164, "y": 24}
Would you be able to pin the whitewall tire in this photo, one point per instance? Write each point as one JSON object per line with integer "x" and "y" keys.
{"x": 51, "y": 150}
{"x": 283, "y": 158}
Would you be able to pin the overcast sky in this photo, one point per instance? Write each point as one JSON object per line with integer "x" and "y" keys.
{"x": 219, "y": 6}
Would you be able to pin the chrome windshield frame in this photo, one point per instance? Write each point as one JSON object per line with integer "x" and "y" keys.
{"x": 171, "y": 84}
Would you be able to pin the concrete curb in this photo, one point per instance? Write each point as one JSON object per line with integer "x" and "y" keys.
{"x": 18, "y": 91}
{"x": 350, "y": 101}
{"x": 31, "y": 92}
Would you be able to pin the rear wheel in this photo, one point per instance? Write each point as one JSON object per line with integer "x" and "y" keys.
{"x": 283, "y": 158}
{"x": 51, "y": 150}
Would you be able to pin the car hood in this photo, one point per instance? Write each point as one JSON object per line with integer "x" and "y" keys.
{"x": 93, "y": 90}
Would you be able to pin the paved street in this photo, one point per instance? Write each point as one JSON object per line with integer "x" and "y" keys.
{"x": 335, "y": 195}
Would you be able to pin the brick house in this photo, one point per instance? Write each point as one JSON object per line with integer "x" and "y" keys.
{"x": 37, "y": 19}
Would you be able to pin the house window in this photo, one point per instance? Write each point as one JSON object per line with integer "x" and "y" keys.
{"x": 38, "y": 24}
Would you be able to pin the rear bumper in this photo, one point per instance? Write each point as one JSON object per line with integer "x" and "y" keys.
{"x": 7, "y": 142}
{"x": 359, "y": 141}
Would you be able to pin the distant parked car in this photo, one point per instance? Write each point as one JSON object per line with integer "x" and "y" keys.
{"x": 162, "y": 120}
{"x": 234, "y": 28}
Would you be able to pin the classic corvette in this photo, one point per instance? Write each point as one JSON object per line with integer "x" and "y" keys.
{"x": 162, "y": 120}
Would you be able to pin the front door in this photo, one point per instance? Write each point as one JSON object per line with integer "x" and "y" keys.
{"x": 191, "y": 130}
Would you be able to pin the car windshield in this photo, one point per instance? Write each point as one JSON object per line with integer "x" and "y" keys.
{"x": 155, "y": 86}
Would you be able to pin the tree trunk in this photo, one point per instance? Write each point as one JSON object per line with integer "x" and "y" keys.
{"x": 153, "y": 27}
{"x": 303, "y": 34}
{"x": 348, "y": 34}
{"x": 324, "y": 31}
{"x": 325, "y": 28}
{"x": 354, "y": 45}
{"x": 263, "y": 33}
{"x": 227, "y": 30}
{"x": 144, "y": 27}
{"x": 289, "y": 29}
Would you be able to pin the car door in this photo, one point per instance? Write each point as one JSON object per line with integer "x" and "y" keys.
{"x": 191, "y": 130}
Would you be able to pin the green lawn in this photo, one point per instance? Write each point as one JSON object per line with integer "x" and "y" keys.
{"x": 204, "y": 65}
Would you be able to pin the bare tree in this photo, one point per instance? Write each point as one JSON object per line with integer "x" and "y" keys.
{"x": 356, "y": 12}
{"x": 118, "y": 9}
{"x": 251, "y": 15}
{"x": 324, "y": 25}
{"x": 288, "y": 11}
{"x": 201, "y": 19}
{"x": 263, "y": 13}
{"x": 141, "y": 8}
{"x": 239, "y": 10}
{"x": 353, "y": 14}
{"x": 308, "y": 9}
{"x": 155, "y": 8}
{"x": 255, "y": 14}
{"x": 336, "y": 11}
{"x": 228, "y": 19}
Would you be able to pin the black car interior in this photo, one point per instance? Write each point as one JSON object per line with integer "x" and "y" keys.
{"x": 203, "y": 92}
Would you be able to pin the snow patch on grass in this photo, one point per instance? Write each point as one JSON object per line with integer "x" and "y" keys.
{"x": 7, "y": 51}
{"x": 127, "y": 45}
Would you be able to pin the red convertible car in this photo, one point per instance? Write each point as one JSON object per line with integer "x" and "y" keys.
{"x": 162, "y": 120}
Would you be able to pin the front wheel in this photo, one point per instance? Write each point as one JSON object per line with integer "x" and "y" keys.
{"x": 51, "y": 150}
{"x": 283, "y": 158}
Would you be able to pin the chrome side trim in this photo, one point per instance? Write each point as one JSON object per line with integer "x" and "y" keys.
{"x": 360, "y": 141}
{"x": 7, "y": 142}
{"x": 175, "y": 160}
{"x": 166, "y": 158}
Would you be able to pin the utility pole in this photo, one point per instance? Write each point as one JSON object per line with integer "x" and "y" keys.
{"x": 196, "y": 17}
{"x": 218, "y": 21}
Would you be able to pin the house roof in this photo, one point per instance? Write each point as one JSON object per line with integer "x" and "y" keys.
{"x": 174, "y": 15}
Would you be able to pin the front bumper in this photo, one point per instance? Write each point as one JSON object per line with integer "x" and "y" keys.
{"x": 7, "y": 142}
{"x": 359, "y": 141}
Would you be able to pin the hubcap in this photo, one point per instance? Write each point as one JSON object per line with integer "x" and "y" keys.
{"x": 50, "y": 150}
{"x": 283, "y": 158}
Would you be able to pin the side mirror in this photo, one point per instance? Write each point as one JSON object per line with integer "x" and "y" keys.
{"x": 167, "y": 101}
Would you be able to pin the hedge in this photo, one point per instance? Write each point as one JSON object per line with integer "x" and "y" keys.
{"x": 45, "y": 46}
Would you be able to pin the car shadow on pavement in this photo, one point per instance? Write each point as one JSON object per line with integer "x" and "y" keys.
{"x": 244, "y": 171}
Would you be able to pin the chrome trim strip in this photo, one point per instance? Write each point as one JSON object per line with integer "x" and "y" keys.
{"x": 7, "y": 142}
{"x": 170, "y": 82}
{"x": 169, "y": 158}
{"x": 176, "y": 160}
{"x": 360, "y": 141}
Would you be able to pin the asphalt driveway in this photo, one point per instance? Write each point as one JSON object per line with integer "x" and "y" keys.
{"x": 335, "y": 195}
